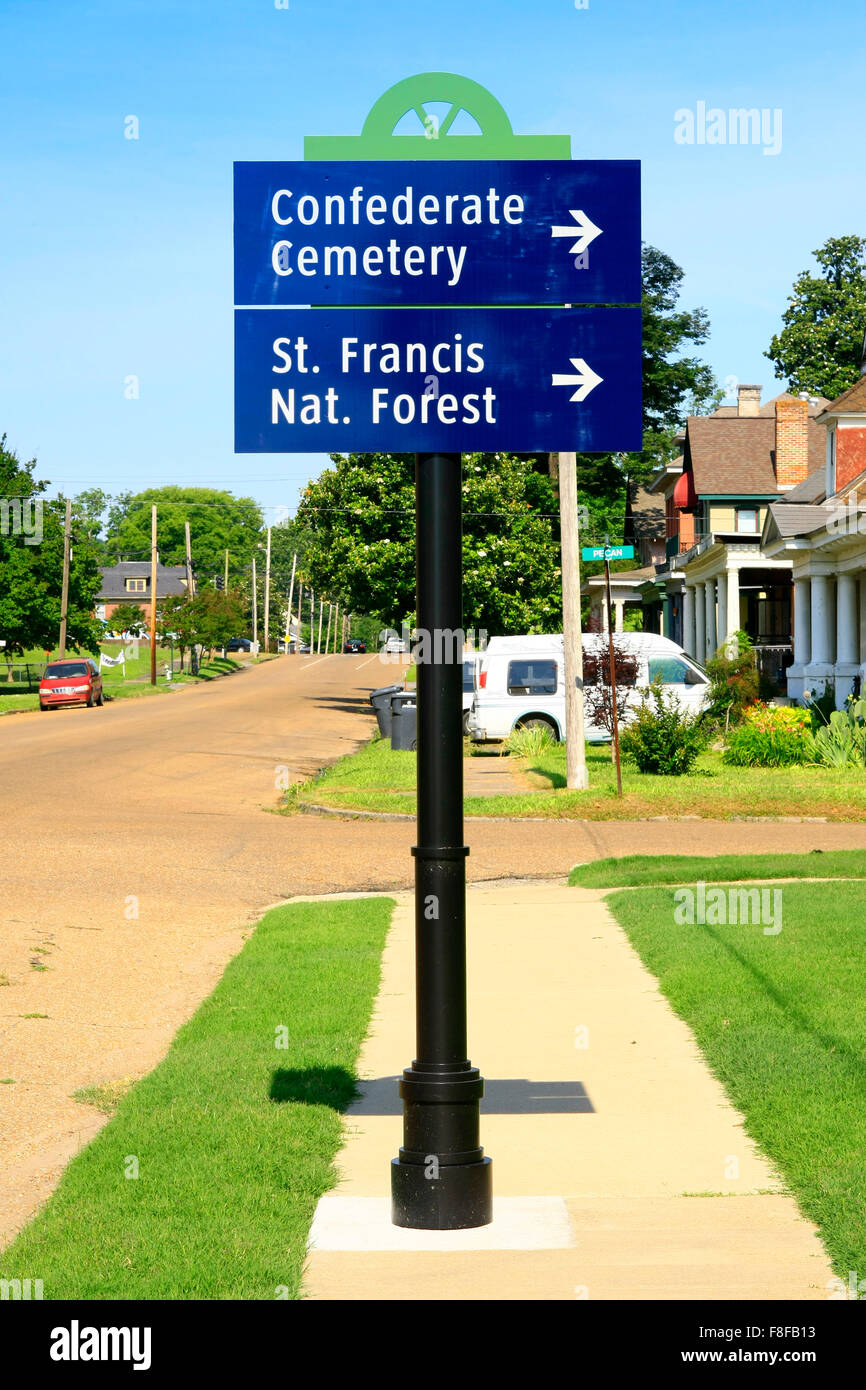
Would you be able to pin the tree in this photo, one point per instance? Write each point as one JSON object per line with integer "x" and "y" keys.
{"x": 177, "y": 622}
{"x": 31, "y": 565}
{"x": 361, "y": 519}
{"x": 215, "y": 617}
{"x": 675, "y": 384}
{"x": 129, "y": 617}
{"x": 820, "y": 346}
{"x": 598, "y": 692}
{"x": 218, "y": 521}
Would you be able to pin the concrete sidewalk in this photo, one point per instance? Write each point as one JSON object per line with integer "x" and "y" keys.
{"x": 614, "y": 1150}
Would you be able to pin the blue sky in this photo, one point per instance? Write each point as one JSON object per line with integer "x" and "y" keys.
{"x": 115, "y": 254}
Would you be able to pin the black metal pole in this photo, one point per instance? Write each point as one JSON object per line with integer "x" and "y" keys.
{"x": 441, "y": 1179}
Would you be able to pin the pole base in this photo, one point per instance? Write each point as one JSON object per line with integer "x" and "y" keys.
{"x": 460, "y": 1198}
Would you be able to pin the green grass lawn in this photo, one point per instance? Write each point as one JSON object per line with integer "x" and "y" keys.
{"x": 636, "y": 870}
{"x": 781, "y": 1020}
{"x": 378, "y": 779}
{"x": 234, "y": 1138}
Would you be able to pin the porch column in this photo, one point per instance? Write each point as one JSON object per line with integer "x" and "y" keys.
{"x": 803, "y": 623}
{"x": 722, "y": 608}
{"x": 710, "y": 616}
{"x": 847, "y": 636}
{"x": 618, "y": 607}
{"x": 700, "y": 624}
{"x": 733, "y": 607}
{"x": 689, "y": 621}
{"x": 604, "y": 623}
{"x": 820, "y": 666}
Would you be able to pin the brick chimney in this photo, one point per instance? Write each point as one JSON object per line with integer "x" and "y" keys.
{"x": 792, "y": 440}
{"x": 748, "y": 401}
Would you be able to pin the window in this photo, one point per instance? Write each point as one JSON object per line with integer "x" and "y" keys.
{"x": 670, "y": 670}
{"x": 136, "y": 586}
{"x": 468, "y": 675}
{"x": 532, "y": 677}
{"x": 747, "y": 520}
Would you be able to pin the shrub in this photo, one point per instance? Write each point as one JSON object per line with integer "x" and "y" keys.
{"x": 841, "y": 741}
{"x": 770, "y": 737}
{"x": 734, "y": 682}
{"x": 531, "y": 742}
{"x": 662, "y": 738}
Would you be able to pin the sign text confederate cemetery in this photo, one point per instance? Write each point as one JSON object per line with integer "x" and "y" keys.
{"x": 358, "y": 285}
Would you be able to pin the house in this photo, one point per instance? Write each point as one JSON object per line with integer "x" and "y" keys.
{"x": 128, "y": 582}
{"x": 717, "y": 580}
{"x": 819, "y": 529}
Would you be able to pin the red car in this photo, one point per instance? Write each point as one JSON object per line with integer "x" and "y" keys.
{"x": 75, "y": 681}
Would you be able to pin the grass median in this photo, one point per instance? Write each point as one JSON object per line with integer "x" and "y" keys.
{"x": 204, "y": 1183}
{"x": 378, "y": 779}
{"x": 781, "y": 1020}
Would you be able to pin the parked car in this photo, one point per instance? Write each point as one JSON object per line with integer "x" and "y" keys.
{"x": 468, "y": 689}
{"x": 73, "y": 681}
{"x": 239, "y": 644}
{"x": 394, "y": 645}
{"x": 355, "y": 645}
{"x": 521, "y": 681}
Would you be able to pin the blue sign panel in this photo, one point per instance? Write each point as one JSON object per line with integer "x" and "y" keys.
{"x": 438, "y": 380}
{"x": 421, "y": 232}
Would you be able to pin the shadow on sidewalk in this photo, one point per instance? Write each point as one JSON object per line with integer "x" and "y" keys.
{"x": 512, "y": 1097}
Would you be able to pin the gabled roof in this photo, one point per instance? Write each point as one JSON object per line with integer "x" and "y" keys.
{"x": 786, "y": 519}
{"x": 735, "y": 456}
{"x": 854, "y": 400}
{"x": 812, "y": 489}
{"x": 170, "y": 579}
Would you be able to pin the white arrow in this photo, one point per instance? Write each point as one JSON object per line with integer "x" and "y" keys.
{"x": 585, "y": 379}
{"x": 585, "y": 226}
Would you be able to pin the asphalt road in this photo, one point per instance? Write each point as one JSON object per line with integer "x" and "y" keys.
{"x": 137, "y": 849}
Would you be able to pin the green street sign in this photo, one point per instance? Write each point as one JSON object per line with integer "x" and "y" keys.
{"x": 607, "y": 552}
{"x": 434, "y": 140}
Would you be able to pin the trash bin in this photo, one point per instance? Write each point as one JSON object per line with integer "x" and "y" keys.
{"x": 381, "y": 701}
{"x": 404, "y": 721}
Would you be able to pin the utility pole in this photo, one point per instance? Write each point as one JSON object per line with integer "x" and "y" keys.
{"x": 612, "y": 664}
{"x": 190, "y": 581}
{"x": 321, "y": 613}
{"x": 153, "y": 594}
{"x": 336, "y": 625}
{"x": 312, "y": 641}
{"x": 291, "y": 601}
{"x": 64, "y": 596}
{"x": 255, "y": 611}
{"x": 575, "y": 747}
{"x": 268, "y": 593}
{"x": 328, "y": 633}
{"x": 190, "y": 595}
{"x": 226, "y": 574}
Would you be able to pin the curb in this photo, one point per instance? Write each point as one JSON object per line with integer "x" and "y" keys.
{"x": 311, "y": 808}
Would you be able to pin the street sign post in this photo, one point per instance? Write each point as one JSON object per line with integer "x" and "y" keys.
{"x": 437, "y": 219}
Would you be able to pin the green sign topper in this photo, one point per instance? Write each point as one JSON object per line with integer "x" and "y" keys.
{"x": 434, "y": 139}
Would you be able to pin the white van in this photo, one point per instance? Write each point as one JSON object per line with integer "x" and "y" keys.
{"x": 520, "y": 681}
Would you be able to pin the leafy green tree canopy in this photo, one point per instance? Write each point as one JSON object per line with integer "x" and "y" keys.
{"x": 31, "y": 565}
{"x": 820, "y": 346}
{"x": 218, "y": 521}
{"x": 361, "y": 519}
